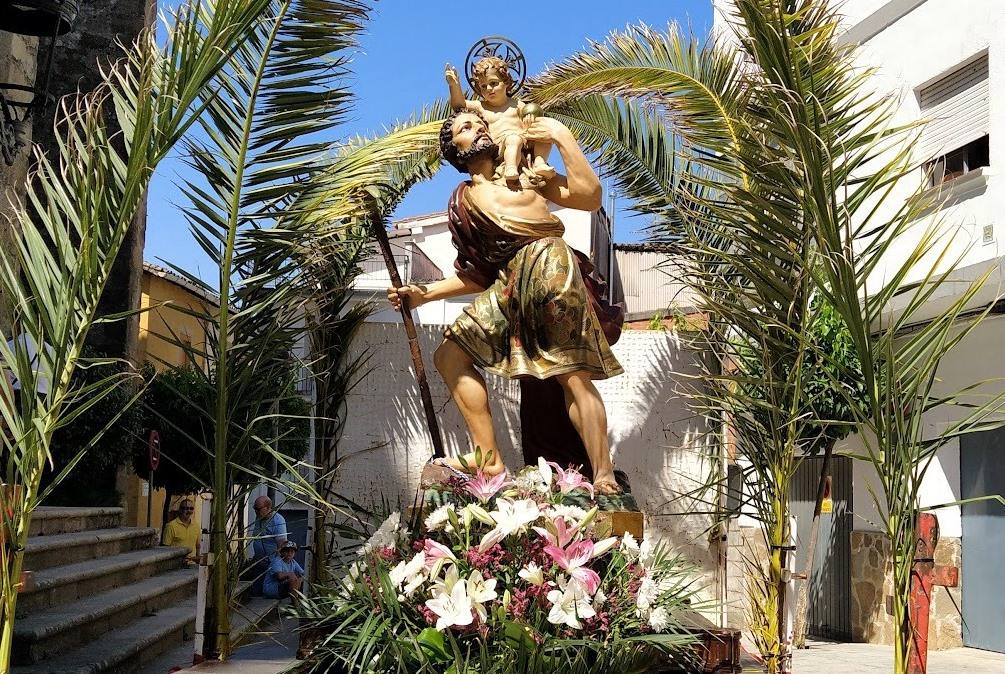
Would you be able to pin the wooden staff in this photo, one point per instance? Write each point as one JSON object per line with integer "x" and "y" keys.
{"x": 413, "y": 342}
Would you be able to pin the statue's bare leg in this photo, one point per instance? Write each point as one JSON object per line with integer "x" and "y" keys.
{"x": 512, "y": 146}
{"x": 467, "y": 388}
{"x": 588, "y": 415}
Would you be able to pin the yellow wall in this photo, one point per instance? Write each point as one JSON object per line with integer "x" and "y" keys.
{"x": 160, "y": 326}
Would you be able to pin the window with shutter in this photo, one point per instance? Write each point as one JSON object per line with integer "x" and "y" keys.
{"x": 957, "y": 109}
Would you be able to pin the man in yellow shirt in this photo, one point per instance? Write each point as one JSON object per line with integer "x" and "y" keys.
{"x": 182, "y": 532}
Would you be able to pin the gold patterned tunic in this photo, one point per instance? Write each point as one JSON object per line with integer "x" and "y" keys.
{"x": 537, "y": 316}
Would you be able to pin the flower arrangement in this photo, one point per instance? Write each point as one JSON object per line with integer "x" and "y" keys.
{"x": 505, "y": 576}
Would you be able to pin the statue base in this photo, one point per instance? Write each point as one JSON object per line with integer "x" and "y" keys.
{"x": 619, "y": 514}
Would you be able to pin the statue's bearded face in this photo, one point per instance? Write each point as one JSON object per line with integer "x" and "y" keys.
{"x": 471, "y": 138}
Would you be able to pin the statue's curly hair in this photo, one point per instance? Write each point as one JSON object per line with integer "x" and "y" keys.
{"x": 449, "y": 151}
{"x": 482, "y": 67}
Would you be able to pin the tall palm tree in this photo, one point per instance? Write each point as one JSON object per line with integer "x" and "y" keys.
{"x": 270, "y": 198}
{"x": 780, "y": 190}
{"x": 71, "y": 224}
{"x": 757, "y": 289}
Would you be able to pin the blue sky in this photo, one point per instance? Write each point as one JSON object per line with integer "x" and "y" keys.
{"x": 400, "y": 67}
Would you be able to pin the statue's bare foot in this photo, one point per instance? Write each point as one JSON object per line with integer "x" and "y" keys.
{"x": 511, "y": 173}
{"x": 544, "y": 170}
{"x": 605, "y": 484}
{"x": 492, "y": 465}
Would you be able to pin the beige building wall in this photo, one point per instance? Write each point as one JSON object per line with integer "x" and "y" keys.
{"x": 162, "y": 324}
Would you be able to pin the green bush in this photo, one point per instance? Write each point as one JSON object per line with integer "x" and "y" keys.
{"x": 92, "y": 481}
{"x": 176, "y": 405}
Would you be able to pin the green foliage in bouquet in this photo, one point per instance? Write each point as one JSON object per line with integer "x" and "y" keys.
{"x": 506, "y": 577}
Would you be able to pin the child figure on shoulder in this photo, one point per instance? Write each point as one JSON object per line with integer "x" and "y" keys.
{"x": 508, "y": 118}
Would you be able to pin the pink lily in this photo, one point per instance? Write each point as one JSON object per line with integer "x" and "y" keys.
{"x": 562, "y": 534}
{"x": 483, "y": 488}
{"x": 573, "y": 561}
{"x": 435, "y": 552}
{"x": 571, "y": 480}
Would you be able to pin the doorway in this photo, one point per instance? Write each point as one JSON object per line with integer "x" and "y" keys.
{"x": 982, "y": 473}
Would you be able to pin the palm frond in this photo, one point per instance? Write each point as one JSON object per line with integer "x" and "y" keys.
{"x": 693, "y": 81}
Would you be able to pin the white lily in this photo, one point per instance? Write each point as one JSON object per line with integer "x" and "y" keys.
{"x": 604, "y": 546}
{"x": 510, "y": 517}
{"x": 407, "y": 571}
{"x": 515, "y": 516}
{"x": 453, "y": 609}
{"x": 474, "y": 511}
{"x": 546, "y": 475}
{"x": 571, "y": 513}
{"x": 481, "y": 591}
{"x": 532, "y": 573}
{"x": 569, "y": 606}
{"x": 446, "y": 584}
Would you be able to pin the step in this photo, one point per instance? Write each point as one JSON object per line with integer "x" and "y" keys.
{"x": 44, "y": 552}
{"x": 251, "y": 622}
{"x": 49, "y": 520}
{"x": 124, "y": 650}
{"x": 45, "y": 634}
{"x": 65, "y": 584}
{"x": 249, "y": 619}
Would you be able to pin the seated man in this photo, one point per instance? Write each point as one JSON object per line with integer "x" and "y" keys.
{"x": 285, "y": 575}
{"x": 182, "y": 532}
{"x": 267, "y": 533}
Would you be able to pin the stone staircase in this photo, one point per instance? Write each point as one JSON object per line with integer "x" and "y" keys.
{"x": 99, "y": 597}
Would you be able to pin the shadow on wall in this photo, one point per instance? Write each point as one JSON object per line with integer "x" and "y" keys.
{"x": 658, "y": 440}
{"x": 654, "y": 436}
{"x": 386, "y": 443}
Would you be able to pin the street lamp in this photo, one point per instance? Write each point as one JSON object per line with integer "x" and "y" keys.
{"x": 38, "y": 18}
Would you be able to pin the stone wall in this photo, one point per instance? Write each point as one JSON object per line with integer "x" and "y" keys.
{"x": 872, "y": 587}
{"x": 101, "y": 27}
{"x": 747, "y": 548}
{"x": 17, "y": 66}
